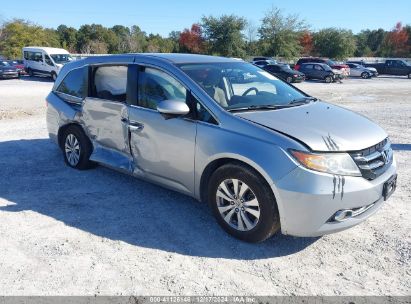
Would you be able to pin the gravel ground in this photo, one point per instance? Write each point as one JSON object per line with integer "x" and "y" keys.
{"x": 99, "y": 232}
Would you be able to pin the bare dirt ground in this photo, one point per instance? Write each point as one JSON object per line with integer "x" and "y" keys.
{"x": 99, "y": 232}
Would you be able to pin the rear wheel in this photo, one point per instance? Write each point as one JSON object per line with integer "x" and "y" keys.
{"x": 328, "y": 79}
{"x": 243, "y": 203}
{"x": 77, "y": 148}
{"x": 409, "y": 76}
{"x": 30, "y": 71}
{"x": 54, "y": 76}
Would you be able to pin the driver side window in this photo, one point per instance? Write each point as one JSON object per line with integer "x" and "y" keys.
{"x": 48, "y": 60}
{"x": 155, "y": 86}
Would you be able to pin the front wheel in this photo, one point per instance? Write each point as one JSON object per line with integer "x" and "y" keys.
{"x": 243, "y": 203}
{"x": 289, "y": 79}
{"x": 409, "y": 76}
{"x": 328, "y": 79}
{"x": 30, "y": 72}
{"x": 365, "y": 75}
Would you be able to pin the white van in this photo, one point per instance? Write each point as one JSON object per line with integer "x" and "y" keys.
{"x": 45, "y": 60}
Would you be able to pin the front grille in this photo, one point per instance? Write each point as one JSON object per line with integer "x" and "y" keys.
{"x": 375, "y": 160}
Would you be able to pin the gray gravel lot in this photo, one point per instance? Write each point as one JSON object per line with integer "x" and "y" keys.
{"x": 99, "y": 232}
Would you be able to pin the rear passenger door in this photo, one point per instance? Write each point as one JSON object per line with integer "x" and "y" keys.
{"x": 105, "y": 115}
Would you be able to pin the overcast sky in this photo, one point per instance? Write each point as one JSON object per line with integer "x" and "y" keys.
{"x": 162, "y": 16}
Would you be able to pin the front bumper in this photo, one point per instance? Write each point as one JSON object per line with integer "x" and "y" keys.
{"x": 9, "y": 75}
{"x": 307, "y": 200}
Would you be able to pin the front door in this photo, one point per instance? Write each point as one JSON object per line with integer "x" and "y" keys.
{"x": 105, "y": 116}
{"x": 162, "y": 147}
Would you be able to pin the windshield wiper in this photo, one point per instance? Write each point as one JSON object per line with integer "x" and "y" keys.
{"x": 302, "y": 100}
{"x": 255, "y": 107}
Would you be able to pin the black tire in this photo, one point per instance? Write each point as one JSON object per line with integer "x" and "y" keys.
{"x": 53, "y": 76}
{"x": 269, "y": 220}
{"x": 365, "y": 75}
{"x": 85, "y": 148}
{"x": 328, "y": 79}
{"x": 289, "y": 79}
{"x": 409, "y": 76}
{"x": 30, "y": 72}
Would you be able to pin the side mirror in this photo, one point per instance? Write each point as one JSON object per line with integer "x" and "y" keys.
{"x": 173, "y": 107}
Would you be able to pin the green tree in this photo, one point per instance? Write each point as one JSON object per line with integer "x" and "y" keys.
{"x": 158, "y": 44}
{"x": 67, "y": 37}
{"x": 138, "y": 39}
{"x": 369, "y": 42}
{"x": 224, "y": 35}
{"x": 18, "y": 33}
{"x": 95, "y": 38}
{"x": 280, "y": 35}
{"x": 334, "y": 43}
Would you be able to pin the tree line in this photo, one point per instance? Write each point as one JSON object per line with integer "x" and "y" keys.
{"x": 278, "y": 35}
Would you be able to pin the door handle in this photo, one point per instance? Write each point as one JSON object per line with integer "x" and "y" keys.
{"x": 133, "y": 125}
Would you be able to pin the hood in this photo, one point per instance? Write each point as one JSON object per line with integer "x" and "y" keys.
{"x": 321, "y": 126}
{"x": 8, "y": 68}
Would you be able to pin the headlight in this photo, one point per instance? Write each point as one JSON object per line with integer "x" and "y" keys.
{"x": 333, "y": 163}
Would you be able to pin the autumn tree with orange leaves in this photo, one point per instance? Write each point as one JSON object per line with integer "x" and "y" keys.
{"x": 191, "y": 40}
{"x": 306, "y": 41}
{"x": 396, "y": 42}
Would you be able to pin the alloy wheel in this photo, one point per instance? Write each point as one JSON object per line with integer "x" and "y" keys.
{"x": 237, "y": 204}
{"x": 72, "y": 150}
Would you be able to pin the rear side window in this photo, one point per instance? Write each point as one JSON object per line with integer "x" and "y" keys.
{"x": 308, "y": 66}
{"x": 110, "y": 83}
{"x": 74, "y": 84}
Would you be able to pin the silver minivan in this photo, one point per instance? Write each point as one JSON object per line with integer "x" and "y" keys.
{"x": 263, "y": 154}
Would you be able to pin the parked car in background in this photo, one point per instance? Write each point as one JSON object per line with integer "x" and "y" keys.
{"x": 396, "y": 67}
{"x": 345, "y": 69}
{"x": 264, "y": 155}
{"x": 284, "y": 72}
{"x": 320, "y": 71}
{"x": 357, "y": 70}
{"x": 45, "y": 61}
{"x": 7, "y": 70}
{"x": 263, "y": 63}
{"x": 18, "y": 64}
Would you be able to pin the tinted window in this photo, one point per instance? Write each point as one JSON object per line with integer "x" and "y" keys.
{"x": 204, "y": 115}
{"x": 307, "y": 66}
{"x": 47, "y": 60}
{"x": 273, "y": 68}
{"x": 155, "y": 86}
{"x": 110, "y": 83}
{"x": 36, "y": 56}
{"x": 74, "y": 84}
{"x": 318, "y": 68}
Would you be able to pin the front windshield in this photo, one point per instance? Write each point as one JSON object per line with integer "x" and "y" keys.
{"x": 241, "y": 85}
{"x": 61, "y": 58}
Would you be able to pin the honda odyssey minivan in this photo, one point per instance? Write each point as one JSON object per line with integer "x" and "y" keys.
{"x": 264, "y": 155}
